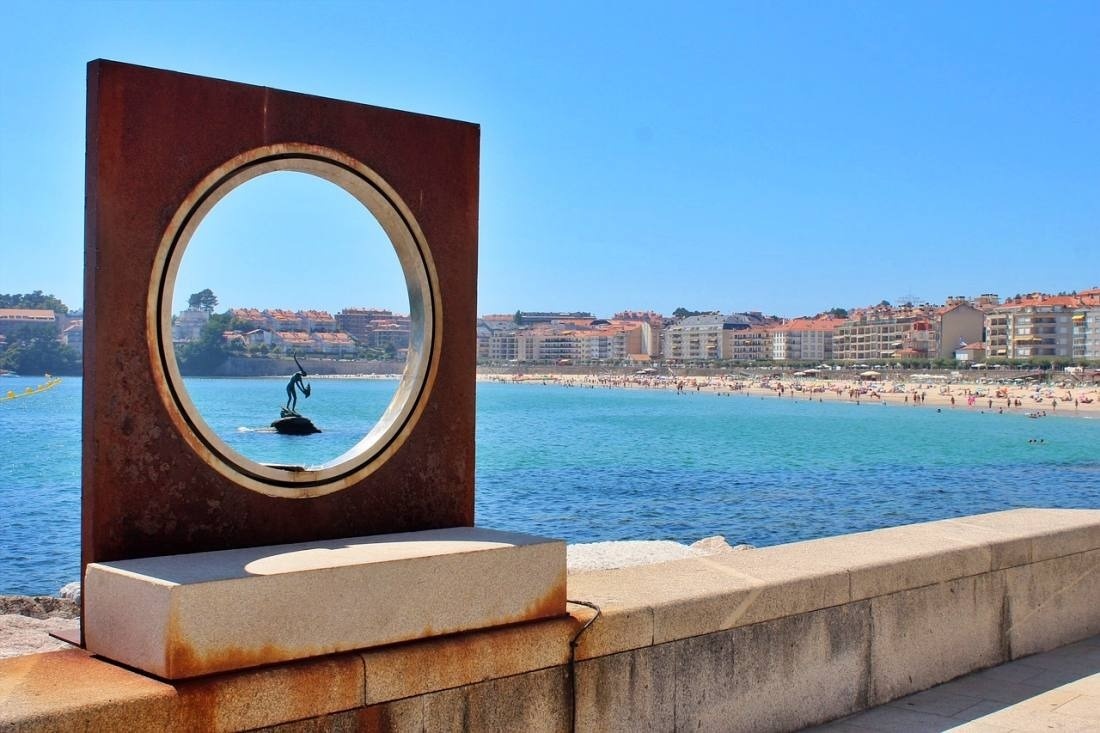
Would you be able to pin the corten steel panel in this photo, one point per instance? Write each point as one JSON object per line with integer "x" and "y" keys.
{"x": 152, "y": 137}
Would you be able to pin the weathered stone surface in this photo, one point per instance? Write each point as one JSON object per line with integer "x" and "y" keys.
{"x": 787, "y": 673}
{"x": 527, "y": 702}
{"x": 1053, "y": 602}
{"x": 39, "y": 606}
{"x": 26, "y": 635}
{"x": 187, "y": 615}
{"x": 779, "y": 675}
{"x": 589, "y": 556}
{"x": 926, "y": 636}
{"x": 626, "y": 615}
{"x": 630, "y": 691}
{"x": 70, "y": 690}
{"x": 898, "y": 558}
{"x": 802, "y": 667}
{"x": 270, "y": 695}
{"x": 716, "y": 544}
{"x": 792, "y": 581}
{"x": 71, "y": 591}
{"x": 440, "y": 663}
{"x": 1045, "y": 533}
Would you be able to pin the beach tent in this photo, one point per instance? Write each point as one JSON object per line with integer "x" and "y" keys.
{"x": 870, "y": 374}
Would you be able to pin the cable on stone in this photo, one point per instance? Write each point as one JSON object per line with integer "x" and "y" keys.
{"x": 573, "y": 658}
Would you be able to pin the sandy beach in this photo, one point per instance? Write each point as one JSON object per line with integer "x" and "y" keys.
{"x": 920, "y": 391}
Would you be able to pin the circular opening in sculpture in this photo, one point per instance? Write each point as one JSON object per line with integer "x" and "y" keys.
{"x": 334, "y": 390}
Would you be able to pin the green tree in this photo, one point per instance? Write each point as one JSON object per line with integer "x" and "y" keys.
{"x": 838, "y": 312}
{"x": 33, "y": 301}
{"x": 682, "y": 312}
{"x": 204, "y": 299}
{"x": 36, "y": 350}
{"x": 203, "y": 357}
{"x": 518, "y": 318}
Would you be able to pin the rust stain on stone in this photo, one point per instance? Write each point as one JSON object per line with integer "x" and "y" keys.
{"x": 551, "y": 603}
{"x": 185, "y": 661}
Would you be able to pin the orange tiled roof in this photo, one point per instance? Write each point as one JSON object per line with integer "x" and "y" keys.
{"x": 27, "y": 314}
{"x": 811, "y": 324}
{"x": 295, "y": 337}
{"x": 333, "y": 338}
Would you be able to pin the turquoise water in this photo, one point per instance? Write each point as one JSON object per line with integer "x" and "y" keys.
{"x": 596, "y": 464}
{"x": 241, "y": 410}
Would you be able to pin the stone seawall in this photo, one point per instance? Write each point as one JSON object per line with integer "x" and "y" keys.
{"x": 775, "y": 639}
{"x": 241, "y": 366}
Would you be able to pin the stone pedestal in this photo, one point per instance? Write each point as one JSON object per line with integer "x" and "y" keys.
{"x": 188, "y": 615}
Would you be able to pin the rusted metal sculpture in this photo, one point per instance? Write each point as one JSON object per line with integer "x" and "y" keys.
{"x": 163, "y": 148}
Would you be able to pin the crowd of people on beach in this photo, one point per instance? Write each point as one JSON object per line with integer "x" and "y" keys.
{"x": 1031, "y": 399}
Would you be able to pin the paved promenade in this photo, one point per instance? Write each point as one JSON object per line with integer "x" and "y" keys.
{"x": 1056, "y": 690}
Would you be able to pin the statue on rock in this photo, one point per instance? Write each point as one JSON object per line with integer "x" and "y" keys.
{"x": 290, "y": 422}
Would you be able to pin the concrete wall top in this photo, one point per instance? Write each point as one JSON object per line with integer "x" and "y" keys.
{"x": 652, "y": 604}
{"x": 640, "y": 607}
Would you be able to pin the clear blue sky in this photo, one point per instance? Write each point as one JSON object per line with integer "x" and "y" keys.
{"x": 781, "y": 156}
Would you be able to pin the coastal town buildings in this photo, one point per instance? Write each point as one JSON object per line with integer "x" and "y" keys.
{"x": 885, "y": 332}
{"x": 1035, "y": 326}
{"x": 750, "y": 344}
{"x": 530, "y": 318}
{"x": 1087, "y": 326}
{"x": 73, "y": 334}
{"x": 1040, "y": 325}
{"x": 188, "y": 324}
{"x": 957, "y": 323}
{"x": 13, "y": 320}
{"x": 970, "y": 353}
{"x": 375, "y": 327}
{"x": 804, "y": 339}
{"x": 716, "y": 337}
{"x": 652, "y": 325}
{"x": 570, "y": 340}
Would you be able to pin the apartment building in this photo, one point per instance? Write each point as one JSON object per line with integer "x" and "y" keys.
{"x": 318, "y": 321}
{"x": 13, "y": 320}
{"x": 1086, "y": 333}
{"x": 883, "y": 332}
{"x": 958, "y": 322}
{"x": 713, "y": 337}
{"x": 375, "y": 327}
{"x": 1045, "y": 326}
{"x": 652, "y": 325}
{"x": 804, "y": 339}
{"x": 568, "y": 340}
{"x": 751, "y": 344}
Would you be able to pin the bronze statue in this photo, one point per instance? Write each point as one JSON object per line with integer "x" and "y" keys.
{"x": 294, "y": 385}
{"x": 290, "y": 422}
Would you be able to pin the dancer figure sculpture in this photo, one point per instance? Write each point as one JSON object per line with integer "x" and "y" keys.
{"x": 293, "y": 386}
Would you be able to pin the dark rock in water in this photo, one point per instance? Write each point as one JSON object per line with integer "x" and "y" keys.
{"x": 295, "y": 425}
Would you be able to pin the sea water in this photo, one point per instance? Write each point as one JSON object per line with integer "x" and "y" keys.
{"x": 599, "y": 464}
